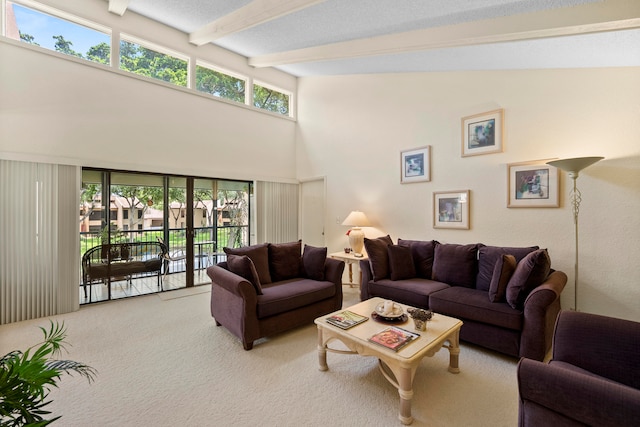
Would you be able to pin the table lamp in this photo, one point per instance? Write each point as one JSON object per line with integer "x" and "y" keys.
{"x": 573, "y": 167}
{"x": 356, "y": 219}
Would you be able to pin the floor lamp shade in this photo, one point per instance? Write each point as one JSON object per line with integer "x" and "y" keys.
{"x": 355, "y": 220}
{"x": 573, "y": 167}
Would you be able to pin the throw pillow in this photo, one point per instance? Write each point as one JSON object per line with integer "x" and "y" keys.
{"x": 259, "y": 254}
{"x": 285, "y": 260}
{"x": 401, "y": 264}
{"x": 313, "y": 262}
{"x": 378, "y": 256}
{"x": 456, "y": 265}
{"x": 243, "y": 267}
{"x": 488, "y": 256}
{"x": 529, "y": 273}
{"x": 422, "y": 253}
{"x": 502, "y": 272}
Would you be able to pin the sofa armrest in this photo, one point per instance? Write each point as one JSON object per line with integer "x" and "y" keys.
{"x": 541, "y": 309}
{"x": 231, "y": 282}
{"x": 367, "y": 276}
{"x": 333, "y": 269}
{"x": 605, "y": 346}
{"x": 588, "y": 399}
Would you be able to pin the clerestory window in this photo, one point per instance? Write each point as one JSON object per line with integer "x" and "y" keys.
{"x": 46, "y": 27}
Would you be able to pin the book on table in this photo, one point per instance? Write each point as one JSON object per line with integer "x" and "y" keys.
{"x": 394, "y": 338}
{"x": 346, "y": 319}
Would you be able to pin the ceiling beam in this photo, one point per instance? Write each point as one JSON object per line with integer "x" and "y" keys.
{"x": 255, "y": 13}
{"x": 610, "y": 15}
{"x": 119, "y": 7}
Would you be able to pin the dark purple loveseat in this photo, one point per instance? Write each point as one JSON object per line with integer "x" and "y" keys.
{"x": 265, "y": 289}
{"x": 593, "y": 378}
{"x": 508, "y": 298}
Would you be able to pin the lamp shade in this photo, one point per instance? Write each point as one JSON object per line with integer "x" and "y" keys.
{"x": 356, "y": 219}
{"x": 575, "y": 164}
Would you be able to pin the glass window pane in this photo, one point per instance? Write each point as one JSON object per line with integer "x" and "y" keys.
{"x": 271, "y": 100}
{"x": 147, "y": 62}
{"x": 219, "y": 84}
{"x": 53, "y": 33}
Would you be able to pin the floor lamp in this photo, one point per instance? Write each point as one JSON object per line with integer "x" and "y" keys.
{"x": 573, "y": 167}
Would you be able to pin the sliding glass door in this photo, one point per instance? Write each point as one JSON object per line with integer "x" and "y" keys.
{"x": 193, "y": 217}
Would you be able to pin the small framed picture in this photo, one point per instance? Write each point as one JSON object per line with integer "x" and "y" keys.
{"x": 482, "y": 133}
{"x": 415, "y": 165}
{"x": 451, "y": 209}
{"x": 533, "y": 185}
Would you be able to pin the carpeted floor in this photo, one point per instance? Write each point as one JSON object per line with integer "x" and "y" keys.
{"x": 161, "y": 361}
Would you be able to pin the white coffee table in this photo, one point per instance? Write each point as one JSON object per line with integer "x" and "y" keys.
{"x": 399, "y": 368}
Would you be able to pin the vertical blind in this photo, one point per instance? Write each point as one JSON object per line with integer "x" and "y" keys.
{"x": 39, "y": 247}
{"x": 277, "y": 212}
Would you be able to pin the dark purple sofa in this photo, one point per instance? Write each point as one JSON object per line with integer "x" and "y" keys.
{"x": 592, "y": 379}
{"x": 508, "y": 298}
{"x": 262, "y": 290}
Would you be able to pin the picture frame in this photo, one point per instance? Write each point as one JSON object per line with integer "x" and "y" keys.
{"x": 451, "y": 209}
{"x": 415, "y": 165}
{"x": 483, "y": 133}
{"x": 533, "y": 184}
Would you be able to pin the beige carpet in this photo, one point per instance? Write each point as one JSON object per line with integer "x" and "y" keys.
{"x": 162, "y": 362}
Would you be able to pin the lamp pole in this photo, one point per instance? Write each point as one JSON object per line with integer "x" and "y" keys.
{"x": 573, "y": 168}
{"x": 576, "y": 198}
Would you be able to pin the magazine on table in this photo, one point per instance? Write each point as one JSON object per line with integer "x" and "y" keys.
{"x": 394, "y": 338}
{"x": 346, "y": 319}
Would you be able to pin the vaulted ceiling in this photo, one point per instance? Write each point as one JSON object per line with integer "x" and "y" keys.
{"x": 329, "y": 37}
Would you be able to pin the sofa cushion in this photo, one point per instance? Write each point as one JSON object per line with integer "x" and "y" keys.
{"x": 400, "y": 263}
{"x": 422, "y": 253}
{"x": 313, "y": 259}
{"x": 489, "y": 255}
{"x": 529, "y": 273}
{"x": 280, "y": 297}
{"x": 502, "y": 272}
{"x": 378, "y": 256}
{"x": 243, "y": 267}
{"x": 456, "y": 264}
{"x": 259, "y": 254}
{"x": 285, "y": 260}
{"x": 473, "y": 304}
{"x": 414, "y": 292}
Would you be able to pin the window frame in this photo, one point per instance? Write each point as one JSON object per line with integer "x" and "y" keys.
{"x": 65, "y": 16}
{"x": 126, "y": 37}
{"x": 269, "y": 86}
{"x": 221, "y": 70}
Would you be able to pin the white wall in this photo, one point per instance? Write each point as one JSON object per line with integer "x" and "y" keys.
{"x": 352, "y": 129}
{"x": 65, "y": 111}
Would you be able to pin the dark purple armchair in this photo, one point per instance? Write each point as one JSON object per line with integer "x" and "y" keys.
{"x": 592, "y": 379}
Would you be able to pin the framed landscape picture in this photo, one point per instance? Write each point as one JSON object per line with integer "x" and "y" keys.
{"x": 451, "y": 209}
{"x": 482, "y": 133}
{"x": 533, "y": 185}
{"x": 415, "y": 165}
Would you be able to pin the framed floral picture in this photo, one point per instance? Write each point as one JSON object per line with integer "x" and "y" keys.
{"x": 533, "y": 184}
{"x": 415, "y": 165}
{"x": 451, "y": 209}
{"x": 482, "y": 133}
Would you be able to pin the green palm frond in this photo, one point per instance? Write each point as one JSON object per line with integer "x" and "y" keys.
{"x": 26, "y": 378}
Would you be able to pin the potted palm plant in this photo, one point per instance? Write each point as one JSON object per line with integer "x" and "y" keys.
{"x": 26, "y": 378}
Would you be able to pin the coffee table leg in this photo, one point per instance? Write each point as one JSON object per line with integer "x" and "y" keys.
{"x": 322, "y": 352}
{"x": 405, "y": 390}
{"x": 454, "y": 352}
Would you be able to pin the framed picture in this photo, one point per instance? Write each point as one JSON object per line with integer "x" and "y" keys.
{"x": 482, "y": 133}
{"x": 415, "y": 165}
{"x": 533, "y": 185}
{"x": 451, "y": 209}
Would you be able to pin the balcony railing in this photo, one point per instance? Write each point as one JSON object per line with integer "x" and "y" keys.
{"x": 207, "y": 240}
